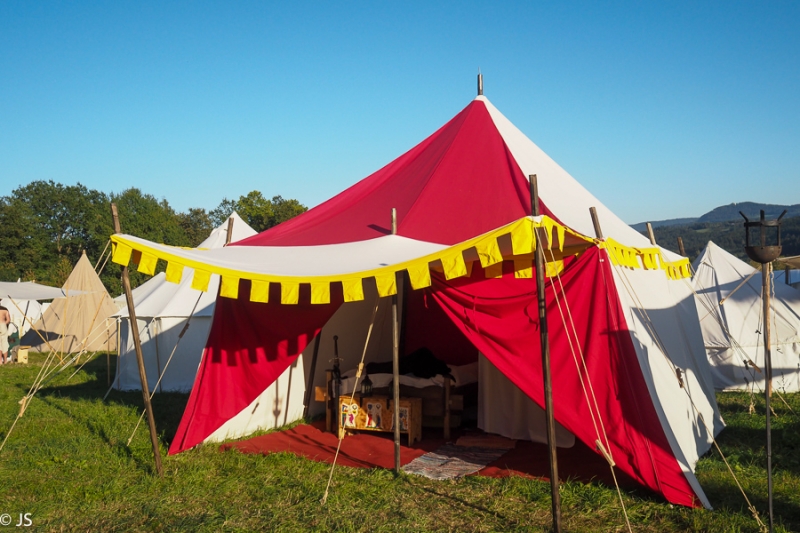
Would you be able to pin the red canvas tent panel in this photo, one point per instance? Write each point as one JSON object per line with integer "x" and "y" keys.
{"x": 454, "y": 185}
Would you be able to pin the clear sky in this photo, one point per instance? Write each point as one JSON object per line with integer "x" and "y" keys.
{"x": 662, "y": 110}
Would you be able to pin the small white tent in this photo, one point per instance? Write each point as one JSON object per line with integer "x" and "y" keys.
{"x": 22, "y": 301}
{"x": 163, "y": 311}
{"x": 731, "y": 316}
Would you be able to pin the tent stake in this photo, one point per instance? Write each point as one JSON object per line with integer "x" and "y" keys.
{"x": 396, "y": 367}
{"x": 126, "y": 284}
{"x": 545, "y": 343}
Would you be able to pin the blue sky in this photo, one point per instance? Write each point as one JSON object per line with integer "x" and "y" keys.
{"x": 661, "y": 110}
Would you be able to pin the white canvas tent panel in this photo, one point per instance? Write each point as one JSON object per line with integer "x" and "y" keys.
{"x": 732, "y": 331}
{"x": 673, "y": 330}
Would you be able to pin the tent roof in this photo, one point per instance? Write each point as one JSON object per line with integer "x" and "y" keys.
{"x": 467, "y": 178}
{"x": 28, "y": 290}
{"x": 464, "y": 182}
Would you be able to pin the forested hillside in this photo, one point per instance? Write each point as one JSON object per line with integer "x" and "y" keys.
{"x": 728, "y": 235}
{"x": 46, "y": 225}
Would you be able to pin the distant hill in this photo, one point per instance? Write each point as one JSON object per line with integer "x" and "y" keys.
{"x": 727, "y": 213}
{"x": 751, "y": 209}
{"x": 729, "y": 235}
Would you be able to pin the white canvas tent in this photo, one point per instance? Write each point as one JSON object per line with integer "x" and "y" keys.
{"x": 79, "y": 321}
{"x": 163, "y": 310}
{"x": 733, "y": 329}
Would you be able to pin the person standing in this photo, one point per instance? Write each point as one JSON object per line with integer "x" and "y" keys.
{"x": 5, "y": 320}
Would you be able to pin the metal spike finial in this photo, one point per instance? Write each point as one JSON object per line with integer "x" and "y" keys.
{"x": 480, "y": 83}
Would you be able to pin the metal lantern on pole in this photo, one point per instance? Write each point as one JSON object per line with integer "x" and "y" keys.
{"x": 366, "y": 387}
{"x": 763, "y": 245}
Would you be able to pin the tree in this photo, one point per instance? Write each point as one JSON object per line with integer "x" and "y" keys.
{"x": 257, "y": 211}
{"x": 46, "y": 225}
{"x": 196, "y": 224}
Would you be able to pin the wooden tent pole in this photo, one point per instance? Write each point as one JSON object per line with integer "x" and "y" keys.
{"x": 681, "y": 249}
{"x": 651, "y": 234}
{"x": 312, "y": 371}
{"x": 545, "y": 344}
{"x": 126, "y": 284}
{"x": 229, "y": 234}
{"x": 765, "y": 297}
{"x": 396, "y": 366}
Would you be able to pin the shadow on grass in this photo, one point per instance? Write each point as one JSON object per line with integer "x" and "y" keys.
{"x": 168, "y": 407}
{"x": 449, "y": 497}
{"x": 727, "y": 499}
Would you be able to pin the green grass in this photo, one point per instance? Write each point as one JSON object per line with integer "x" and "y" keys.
{"x": 67, "y": 463}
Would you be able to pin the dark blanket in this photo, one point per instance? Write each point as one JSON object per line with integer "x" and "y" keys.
{"x": 421, "y": 363}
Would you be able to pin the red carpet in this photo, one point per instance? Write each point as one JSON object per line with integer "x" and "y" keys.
{"x": 370, "y": 450}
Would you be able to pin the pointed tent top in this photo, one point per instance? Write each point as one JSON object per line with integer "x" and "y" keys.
{"x": 467, "y": 178}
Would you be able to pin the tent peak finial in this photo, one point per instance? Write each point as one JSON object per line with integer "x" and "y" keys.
{"x": 480, "y": 82}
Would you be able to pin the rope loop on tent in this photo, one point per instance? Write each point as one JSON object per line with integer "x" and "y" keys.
{"x": 341, "y": 435}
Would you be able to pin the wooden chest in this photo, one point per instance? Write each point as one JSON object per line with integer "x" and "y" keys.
{"x": 376, "y": 413}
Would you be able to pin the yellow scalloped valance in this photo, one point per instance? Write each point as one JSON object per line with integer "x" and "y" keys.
{"x": 646, "y": 258}
{"x": 451, "y": 261}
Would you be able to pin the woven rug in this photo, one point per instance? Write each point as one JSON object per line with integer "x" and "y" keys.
{"x": 451, "y": 461}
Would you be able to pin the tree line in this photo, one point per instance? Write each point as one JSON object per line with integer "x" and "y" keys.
{"x": 727, "y": 235}
{"x": 47, "y": 225}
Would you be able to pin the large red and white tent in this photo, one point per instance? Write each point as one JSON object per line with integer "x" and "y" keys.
{"x": 629, "y": 368}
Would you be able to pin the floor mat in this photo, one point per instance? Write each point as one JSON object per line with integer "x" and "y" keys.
{"x": 370, "y": 450}
{"x": 453, "y": 461}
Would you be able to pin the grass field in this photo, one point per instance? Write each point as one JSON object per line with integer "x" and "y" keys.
{"x": 68, "y": 465}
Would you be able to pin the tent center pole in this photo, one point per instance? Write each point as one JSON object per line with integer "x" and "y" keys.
{"x": 545, "y": 344}
{"x": 126, "y": 284}
{"x": 396, "y": 366}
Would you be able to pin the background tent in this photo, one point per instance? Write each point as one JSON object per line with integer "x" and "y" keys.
{"x": 162, "y": 311}
{"x": 81, "y": 320}
{"x": 22, "y": 301}
{"x": 732, "y": 331}
{"x": 624, "y": 321}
